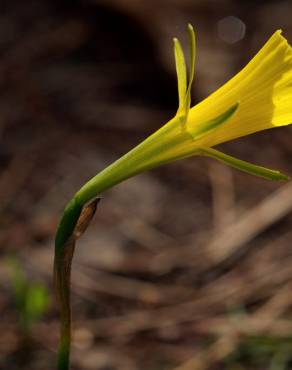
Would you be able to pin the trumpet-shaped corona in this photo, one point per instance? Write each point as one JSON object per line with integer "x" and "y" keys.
{"x": 264, "y": 90}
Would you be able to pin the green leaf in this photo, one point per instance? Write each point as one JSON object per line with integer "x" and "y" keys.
{"x": 200, "y": 130}
{"x": 181, "y": 72}
{"x": 244, "y": 166}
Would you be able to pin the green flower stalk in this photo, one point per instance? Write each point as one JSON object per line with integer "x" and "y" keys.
{"x": 257, "y": 98}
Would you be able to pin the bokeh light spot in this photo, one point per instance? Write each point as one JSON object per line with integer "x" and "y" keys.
{"x": 231, "y": 29}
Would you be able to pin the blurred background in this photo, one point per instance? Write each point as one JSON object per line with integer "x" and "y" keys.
{"x": 187, "y": 267}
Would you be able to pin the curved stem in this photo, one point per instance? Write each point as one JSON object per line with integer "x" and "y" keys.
{"x": 73, "y": 224}
{"x": 62, "y": 275}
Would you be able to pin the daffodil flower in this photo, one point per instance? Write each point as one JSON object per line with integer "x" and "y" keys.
{"x": 259, "y": 97}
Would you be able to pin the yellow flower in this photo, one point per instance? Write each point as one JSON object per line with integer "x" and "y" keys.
{"x": 264, "y": 90}
{"x": 257, "y": 98}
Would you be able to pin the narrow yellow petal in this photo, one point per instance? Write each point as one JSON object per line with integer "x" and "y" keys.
{"x": 264, "y": 90}
{"x": 244, "y": 166}
{"x": 181, "y": 72}
{"x": 192, "y": 42}
{"x": 184, "y": 87}
{"x": 205, "y": 128}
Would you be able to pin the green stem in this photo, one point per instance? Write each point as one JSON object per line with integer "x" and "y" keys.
{"x": 74, "y": 222}
{"x": 62, "y": 274}
{"x": 65, "y": 316}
